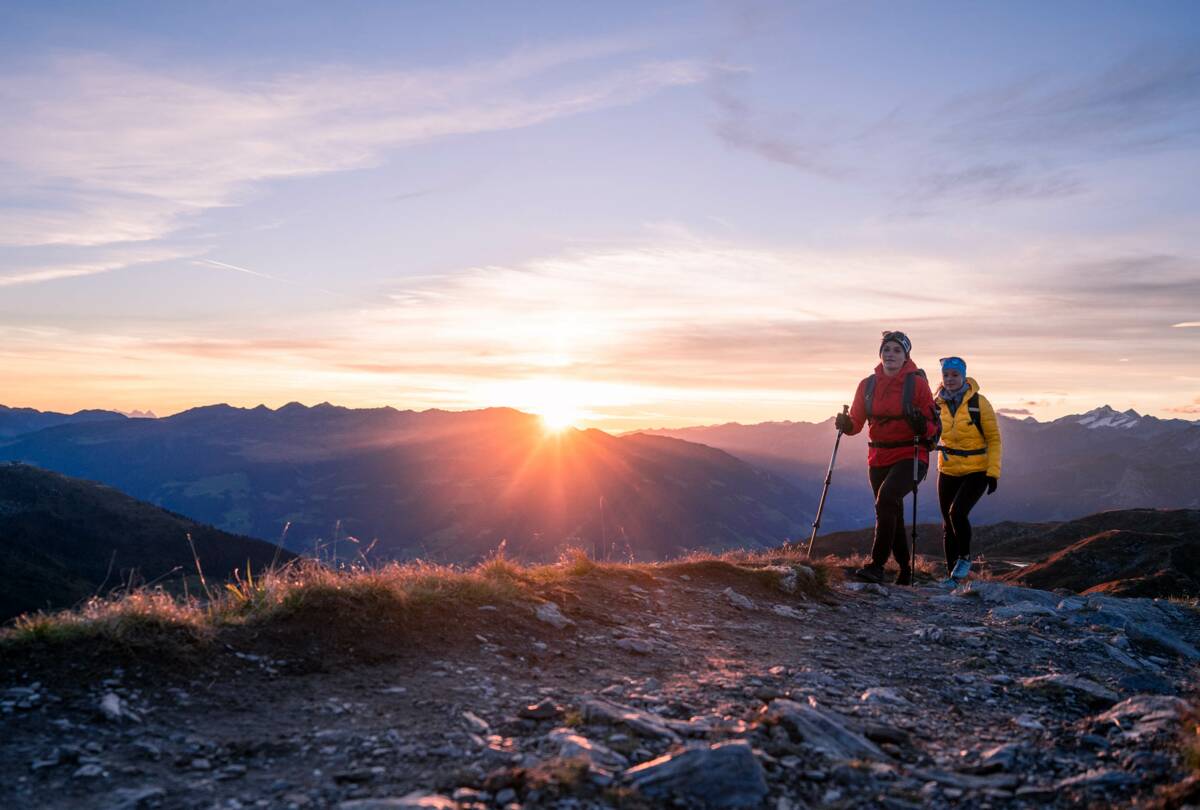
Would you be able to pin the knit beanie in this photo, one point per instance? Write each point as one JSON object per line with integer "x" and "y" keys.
{"x": 954, "y": 363}
{"x": 898, "y": 337}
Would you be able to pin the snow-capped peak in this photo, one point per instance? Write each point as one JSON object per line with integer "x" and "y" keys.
{"x": 1105, "y": 416}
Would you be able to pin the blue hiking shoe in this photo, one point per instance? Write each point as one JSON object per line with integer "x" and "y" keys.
{"x": 949, "y": 583}
{"x": 962, "y": 569}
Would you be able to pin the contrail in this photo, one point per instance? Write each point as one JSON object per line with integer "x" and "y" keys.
{"x": 246, "y": 270}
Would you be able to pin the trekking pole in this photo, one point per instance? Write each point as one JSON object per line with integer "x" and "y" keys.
{"x": 828, "y": 479}
{"x": 916, "y": 486}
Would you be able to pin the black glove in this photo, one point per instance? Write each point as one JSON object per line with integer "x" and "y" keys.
{"x": 843, "y": 422}
{"x": 992, "y": 484}
{"x": 916, "y": 420}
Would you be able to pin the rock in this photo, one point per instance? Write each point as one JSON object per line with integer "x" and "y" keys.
{"x": 1146, "y": 715}
{"x": 1028, "y": 721}
{"x": 823, "y": 730}
{"x": 543, "y": 710}
{"x": 866, "y": 587}
{"x": 636, "y": 645}
{"x": 882, "y": 733}
{"x": 475, "y": 723}
{"x": 1076, "y": 685}
{"x": 1022, "y": 610}
{"x": 1157, "y": 639}
{"x": 89, "y": 771}
{"x": 787, "y": 611}
{"x": 737, "y": 600}
{"x": 787, "y": 576}
{"x": 884, "y": 695}
{"x": 570, "y": 745}
{"x": 1098, "y": 778}
{"x": 135, "y": 798}
{"x": 931, "y": 634}
{"x": 725, "y": 775}
{"x": 550, "y": 614}
{"x": 411, "y": 801}
{"x": 114, "y": 709}
{"x": 962, "y": 781}
{"x": 1000, "y": 758}
{"x": 1144, "y": 682}
{"x": 996, "y": 593}
{"x": 644, "y": 723}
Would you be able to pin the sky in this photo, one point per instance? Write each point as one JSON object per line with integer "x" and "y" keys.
{"x": 627, "y": 214}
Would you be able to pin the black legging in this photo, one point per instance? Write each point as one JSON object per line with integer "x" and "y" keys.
{"x": 890, "y": 485}
{"x": 958, "y": 494}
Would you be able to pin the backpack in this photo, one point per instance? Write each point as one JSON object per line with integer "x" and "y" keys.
{"x": 906, "y": 403}
{"x": 973, "y": 412}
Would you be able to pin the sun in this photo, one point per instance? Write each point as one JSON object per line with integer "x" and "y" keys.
{"x": 558, "y": 416}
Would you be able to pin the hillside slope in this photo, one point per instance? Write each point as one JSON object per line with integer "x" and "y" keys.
{"x": 1123, "y": 563}
{"x": 63, "y": 540}
{"x": 434, "y": 484}
{"x": 695, "y": 684}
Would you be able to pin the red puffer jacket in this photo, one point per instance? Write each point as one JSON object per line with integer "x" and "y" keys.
{"x": 888, "y": 401}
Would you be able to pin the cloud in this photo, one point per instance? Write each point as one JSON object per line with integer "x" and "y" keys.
{"x": 107, "y": 262}
{"x": 1190, "y": 409}
{"x": 992, "y": 183}
{"x": 1140, "y": 102}
{"x": 1015, "y": 411}
{"x": 101, "y": 150}
{"x": 1186, "y": 325}
{"x": 1029, "y": 139}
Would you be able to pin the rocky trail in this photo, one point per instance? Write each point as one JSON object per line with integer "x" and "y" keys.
{"x": 637, "y": 689}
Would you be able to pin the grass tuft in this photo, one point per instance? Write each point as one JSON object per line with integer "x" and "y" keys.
{"x": 309, "y": 593}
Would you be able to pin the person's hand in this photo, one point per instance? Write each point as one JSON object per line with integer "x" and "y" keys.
{"x": 843, "y": 422}
{"x": 992, "y": 484}
{"x": 916, "y": 420}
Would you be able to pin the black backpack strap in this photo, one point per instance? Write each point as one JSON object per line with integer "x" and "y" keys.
{"x": 974, "y": 413}
{"x": 868, "y": 394}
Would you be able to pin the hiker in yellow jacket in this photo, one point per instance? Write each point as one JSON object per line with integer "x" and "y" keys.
{"x": 968, "y": 461}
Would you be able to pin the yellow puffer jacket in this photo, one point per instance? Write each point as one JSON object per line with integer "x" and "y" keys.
{"x": 960, "y": 433}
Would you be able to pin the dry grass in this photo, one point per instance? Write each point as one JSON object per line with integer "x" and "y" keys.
{"x": 391, "y": 594}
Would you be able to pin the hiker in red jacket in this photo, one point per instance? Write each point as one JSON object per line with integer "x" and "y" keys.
{"x": 897, "y": 404}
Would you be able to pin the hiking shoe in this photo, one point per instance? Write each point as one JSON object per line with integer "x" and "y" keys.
{"x": 949, "y": 583}
{"x": 962, "y": 569}
{"x": 904, "y": 578}
{"x": 870, "y": 573}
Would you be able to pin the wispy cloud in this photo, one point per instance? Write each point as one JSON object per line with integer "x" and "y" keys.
{"x": 100, "y": 150}
{"x": 110, "y": 260}
{"x": 1031, "y": 139}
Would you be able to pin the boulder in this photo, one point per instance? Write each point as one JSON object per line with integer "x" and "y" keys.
{"x": 550, "y": 614}
{"x": 1158, "y": 639}
{"x": 725, "y": 775}
{"x": 1075, "y": 685}
{"x": 822, "y": 730}
{"x": 569, "y": 745}
{"x": 737, "y": 600}
{"x": 599, "y": 710}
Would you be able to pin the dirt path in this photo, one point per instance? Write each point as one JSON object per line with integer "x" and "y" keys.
{"x": 933, "y": 682}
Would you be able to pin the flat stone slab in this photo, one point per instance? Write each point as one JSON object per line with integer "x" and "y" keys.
{"x": 823, "y": 730}
{"x": 1075, "y": 685}
{"x": 725, "y": 775}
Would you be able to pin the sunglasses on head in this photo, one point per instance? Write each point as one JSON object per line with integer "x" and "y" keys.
{"x": 955, "y": 360}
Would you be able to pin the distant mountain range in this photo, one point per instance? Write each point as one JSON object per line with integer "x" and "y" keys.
{"x": 64, "y": 539}
{"x": 433, "y": 484}
{"x": 1076, "y": 465}
{"x": 15, "y": 421}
